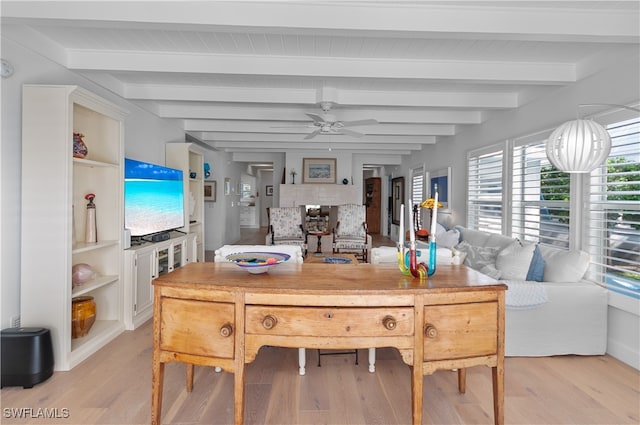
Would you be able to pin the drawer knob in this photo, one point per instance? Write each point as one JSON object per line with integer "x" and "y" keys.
{"x": 389, "y": 323}
{"x": 226, "y": 330}
{"x": 269, "y": 321}
{"x": 430, "y": 331}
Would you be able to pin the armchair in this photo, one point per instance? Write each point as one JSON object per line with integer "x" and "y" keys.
{"x": 350, "y": 234}
{"x": 286, "y": 228}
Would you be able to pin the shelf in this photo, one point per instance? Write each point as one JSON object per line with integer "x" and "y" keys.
{"x": 101, "y": 333}
{"x": 96, "y": 283}
{"x": 91, "y": 163}
{"x": 80, "y": 247}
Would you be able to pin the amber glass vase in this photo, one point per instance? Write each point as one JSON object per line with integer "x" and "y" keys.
{"x": 83, "y": 315}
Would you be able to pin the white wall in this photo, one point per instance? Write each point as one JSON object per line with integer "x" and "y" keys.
{"x": 222, "y": 218}
{"x": 145, "y": 136}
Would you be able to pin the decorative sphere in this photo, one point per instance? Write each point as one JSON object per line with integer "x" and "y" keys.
{"x": 81, "y": 273}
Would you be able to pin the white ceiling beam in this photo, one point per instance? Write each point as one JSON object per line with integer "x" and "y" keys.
{"x": 299, "y": 138}
{"x": 444, "y": 99}
{"x": 305, "y": 128}
{"x": 570, "y": 21}
{"x": 219, "y": 94}
{"x": 313, "y": 144}
{"x": 446, "y": 70}
{"x": 316, "y": 149}
{"x": 396, "y": 115}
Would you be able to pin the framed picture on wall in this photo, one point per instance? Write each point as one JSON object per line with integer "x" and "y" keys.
{"x": 210, "y": 190}
{"x": 269, "y": 190}
{"x": 442, "y": 180}
{"x": 319, "y": 170}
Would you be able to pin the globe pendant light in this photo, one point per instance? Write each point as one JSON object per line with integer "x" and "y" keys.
{"x": 578, "y": 146}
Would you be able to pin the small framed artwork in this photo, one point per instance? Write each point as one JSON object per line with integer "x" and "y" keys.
{"x": 319, "y": 170}
{"x": 269, "y": 190}
{"x": 441, "y": 179}
{"x": 227, "y": 186}
{"x": 210, "y": 190}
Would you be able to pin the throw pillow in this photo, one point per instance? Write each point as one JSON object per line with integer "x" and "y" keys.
{"x": 491, "y": 271}
{"x": 514, "y": 260}
{"x": 536, "y": 268}
{"x": 448, "y": 239}
{"x": 564, "y": 266}
{"x": 477, "y": 256}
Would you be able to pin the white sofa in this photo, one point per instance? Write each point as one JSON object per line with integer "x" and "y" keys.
{"x": 565, "y": 314}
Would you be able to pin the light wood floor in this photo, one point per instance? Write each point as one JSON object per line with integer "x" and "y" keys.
{"x": 114, "y": 387}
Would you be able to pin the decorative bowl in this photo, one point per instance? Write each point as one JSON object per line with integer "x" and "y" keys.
{"x": 257, "y": 262}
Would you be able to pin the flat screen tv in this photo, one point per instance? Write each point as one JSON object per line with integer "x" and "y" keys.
{"x": 153, "y": 198}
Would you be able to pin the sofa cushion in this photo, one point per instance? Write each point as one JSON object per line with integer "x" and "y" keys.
{"x": 514, "y": 260}
{"x": 478, "y": 256}
{"x": 473, "y": 237}
{"x": 481, "y": 238}
{"x": 447, "y": 238}
{"x": 564, "y": 266}
{"x": 536, "y": 268}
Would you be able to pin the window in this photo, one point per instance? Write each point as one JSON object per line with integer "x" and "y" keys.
{"x": 485, "y": 189}
{"x": 612, "y": 231}
{"x": 533, "y": 201}
{"x": 539, "y": 196}
{"x": 417, "y": 195}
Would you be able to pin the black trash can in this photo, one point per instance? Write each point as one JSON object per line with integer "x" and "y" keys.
{"x": 27, "y": 356}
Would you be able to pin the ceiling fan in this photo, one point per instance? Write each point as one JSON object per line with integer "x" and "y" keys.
{"x": 327, "y": 123}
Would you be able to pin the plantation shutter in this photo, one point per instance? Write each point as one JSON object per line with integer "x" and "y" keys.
{"x": 613, "y": 213}
{"x": 485, "y": 188}
{"x": 417, "y": 191}
{"x": 540, "y": 196}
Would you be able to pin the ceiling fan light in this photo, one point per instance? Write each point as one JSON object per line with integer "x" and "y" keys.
{"x": 578, "y": 146}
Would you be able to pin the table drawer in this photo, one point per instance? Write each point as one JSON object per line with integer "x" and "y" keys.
{"x": 329, "y": 321}
{"x": 460, "y": 330}
{"x": 197, "y": 327}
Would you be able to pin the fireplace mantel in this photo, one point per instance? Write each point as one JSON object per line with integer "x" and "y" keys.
{"x": 292, "y": 195}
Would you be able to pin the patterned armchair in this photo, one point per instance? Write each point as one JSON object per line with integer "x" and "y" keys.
{"x": 285, "y": 227}
{"x": 350, "y": 234}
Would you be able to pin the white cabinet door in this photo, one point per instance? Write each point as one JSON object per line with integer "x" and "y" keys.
{"x": 144, "y": 275}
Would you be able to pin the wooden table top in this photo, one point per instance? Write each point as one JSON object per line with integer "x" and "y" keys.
{"x": 321, "y": 278}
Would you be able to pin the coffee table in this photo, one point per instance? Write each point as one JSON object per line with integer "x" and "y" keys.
{"x": 320, "y": 258}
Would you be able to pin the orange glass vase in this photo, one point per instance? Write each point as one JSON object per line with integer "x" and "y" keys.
{"x": 83, "y": 315}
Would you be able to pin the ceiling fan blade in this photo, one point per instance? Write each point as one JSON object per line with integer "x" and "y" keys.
{"x": 292, "y": 126}
{"x": 351, "y": 133}
{"x": 359, "y": 122}
{"x": 315, "y": 117}
{"x": 312, "y": 134}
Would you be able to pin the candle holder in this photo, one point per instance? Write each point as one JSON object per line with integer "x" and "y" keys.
{"x": 403, "y": 263}
{"x": 419, "y": 270}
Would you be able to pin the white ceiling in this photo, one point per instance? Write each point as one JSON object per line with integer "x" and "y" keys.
{"x": 241, "y": 75}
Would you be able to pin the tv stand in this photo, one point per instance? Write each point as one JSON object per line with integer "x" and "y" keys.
{"x": 145, "y": 261}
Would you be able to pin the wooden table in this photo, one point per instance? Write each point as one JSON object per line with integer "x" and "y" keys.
{"x": 216, "y": 314}
{"x": 319, "y": 235}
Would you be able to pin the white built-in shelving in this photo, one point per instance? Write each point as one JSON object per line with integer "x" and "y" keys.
{"x": 54, "y": 185}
